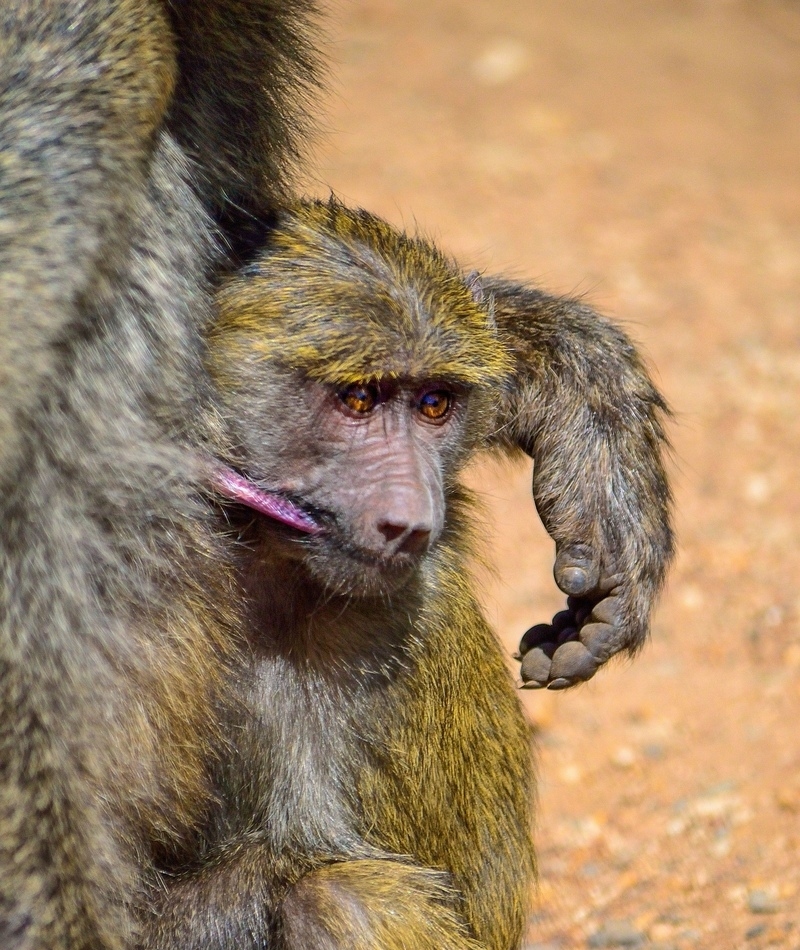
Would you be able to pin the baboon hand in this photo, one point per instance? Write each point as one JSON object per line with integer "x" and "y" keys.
{"x": 596, "y": 624}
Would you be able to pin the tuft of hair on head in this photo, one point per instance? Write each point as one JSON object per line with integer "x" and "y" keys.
{"x": 343, "y": 296}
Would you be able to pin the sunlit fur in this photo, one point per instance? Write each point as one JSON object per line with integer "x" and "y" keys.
{"x": 330, "y": 272}
{"x": 382, "y": 790}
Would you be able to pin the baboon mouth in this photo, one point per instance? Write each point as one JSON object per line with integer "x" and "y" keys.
{"x": 230, "y": 484}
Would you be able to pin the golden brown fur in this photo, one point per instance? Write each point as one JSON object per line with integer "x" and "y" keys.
{"x": 381, "y": 792}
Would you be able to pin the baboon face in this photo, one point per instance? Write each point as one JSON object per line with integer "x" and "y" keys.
{"x": 357, "y": 368}
{"x": 350, "y": 479}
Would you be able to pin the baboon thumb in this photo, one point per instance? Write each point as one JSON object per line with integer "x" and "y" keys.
{"x": 577, "y": 568}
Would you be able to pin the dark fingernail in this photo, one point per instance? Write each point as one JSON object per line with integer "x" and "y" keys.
{"x": 560, "y": 683}
{"x": 563, "y": 618}
{"x": 567, "y": 634}
{"x": 581, "y": 614}
{"x": 572, "y": 580}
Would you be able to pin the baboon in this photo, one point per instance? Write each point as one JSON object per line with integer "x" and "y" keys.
{"x": 380, "y": 792}
{"x": 136, "y": 137}
{"x": 144, "y": 144}
{"x": 379, "y": 742}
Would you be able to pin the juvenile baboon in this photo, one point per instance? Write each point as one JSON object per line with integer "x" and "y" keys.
{"x": 380, "y": 791}
{"x": 143, "y": 143}
{"x": 378, "y": 742}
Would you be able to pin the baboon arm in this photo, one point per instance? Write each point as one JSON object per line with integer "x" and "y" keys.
{"x": 373, "y": 905}
{"x": 83, "y": 89}
{"x": 583, "y": 406}
{"x": 243, "y": 901}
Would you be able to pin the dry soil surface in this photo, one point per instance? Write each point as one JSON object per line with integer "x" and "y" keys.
{"x": 645, "y": 153}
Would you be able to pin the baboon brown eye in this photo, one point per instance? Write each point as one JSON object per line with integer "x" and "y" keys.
{"x": 360, "y": 398}
{"x": 436, "y": 404}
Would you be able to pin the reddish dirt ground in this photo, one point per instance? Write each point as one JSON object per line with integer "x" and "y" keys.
{"x": 645, "y": 153}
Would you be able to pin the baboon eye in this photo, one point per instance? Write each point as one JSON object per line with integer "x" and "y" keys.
{"x": 360, "y": 398}
{"x": 436, "y": 404}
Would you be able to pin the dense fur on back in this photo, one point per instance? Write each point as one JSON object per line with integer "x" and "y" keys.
{"x": 381, "y": 792}
{"x": 113, "y": 618}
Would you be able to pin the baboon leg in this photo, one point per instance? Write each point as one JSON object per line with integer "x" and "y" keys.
{"x": 359, "y": 904}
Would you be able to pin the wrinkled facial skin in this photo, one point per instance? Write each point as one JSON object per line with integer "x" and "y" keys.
{"x": 368, "y": 462}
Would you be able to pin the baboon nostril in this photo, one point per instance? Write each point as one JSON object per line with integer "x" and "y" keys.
{"x": 416, "y": 541}
{"x": 392, "y": 531}
{"x": 405, "y": 539}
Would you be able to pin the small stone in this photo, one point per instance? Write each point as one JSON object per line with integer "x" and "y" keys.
{"x": 653, "y": 750}
{"x": 676, "y": 826}
{"x": 756, "y": 931}
{"x": 691, "y": 597}
{"x": 571, "y": 774}
{"x": 791, "y": 656}
{"x": 721, "y": 847}
{"x": 500, "y": 62}
{"x": 788, "y": 799}
{"x": 762, "y": 902}
{"x": 757, "y": 488}
{"x": 617, "y": 933}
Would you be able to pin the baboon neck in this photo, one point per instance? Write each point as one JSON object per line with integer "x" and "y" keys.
{"x": 340, "y": 636}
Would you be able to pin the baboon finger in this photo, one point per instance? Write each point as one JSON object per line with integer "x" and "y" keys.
{"x": 535, "y": 636}
{"x": 597, "y": 630}
{"x": 608, "y": 611}
{"x": 535, "y": 668}
{"x": 564, "y": 618}
{"x": 600, "y": 639}
{"x": 572, "y": 663}
{"x": 576, "y": 569}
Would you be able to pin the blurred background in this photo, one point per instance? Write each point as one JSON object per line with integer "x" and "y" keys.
{"x": 645, "y": 154}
